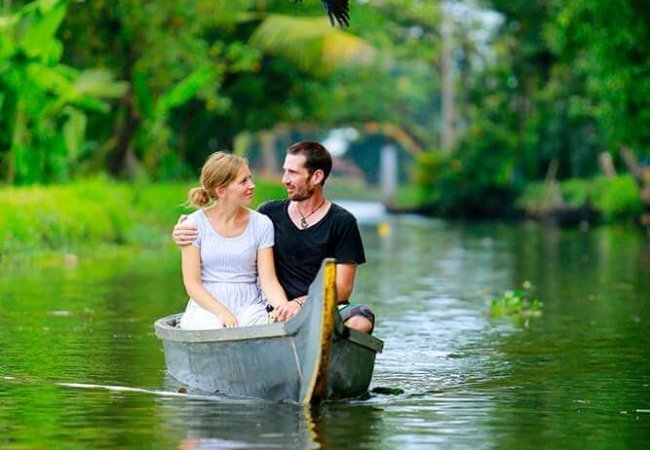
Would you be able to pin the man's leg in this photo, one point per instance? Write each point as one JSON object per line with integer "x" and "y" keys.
{"x": 358, "y": 317}
{"x": 359, "y": 323}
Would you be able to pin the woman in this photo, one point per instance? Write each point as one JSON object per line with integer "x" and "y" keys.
{"x": 234, "y": 249}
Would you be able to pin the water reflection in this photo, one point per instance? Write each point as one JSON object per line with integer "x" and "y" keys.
{"x": 222, "y": 423}
{"x": 229, "y": 424}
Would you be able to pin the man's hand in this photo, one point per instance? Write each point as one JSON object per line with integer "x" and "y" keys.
{"x": 288, "y": 310}
{"x": 184, "y": 233}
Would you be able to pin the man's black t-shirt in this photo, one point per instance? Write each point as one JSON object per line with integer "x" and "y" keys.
{"x": 299, "y": 253}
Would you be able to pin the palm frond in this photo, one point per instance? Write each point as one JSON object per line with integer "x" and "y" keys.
{"x": 310, "y": 43}
{"x": 99, "y": 83}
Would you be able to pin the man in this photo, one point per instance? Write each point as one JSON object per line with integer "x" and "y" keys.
{"x": 309, "y": 228}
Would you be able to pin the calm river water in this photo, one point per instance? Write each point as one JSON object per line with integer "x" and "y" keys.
{"x": 81, "y": 368}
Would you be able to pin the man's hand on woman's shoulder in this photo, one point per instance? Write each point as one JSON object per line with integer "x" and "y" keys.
{"x": 184, "y": 233}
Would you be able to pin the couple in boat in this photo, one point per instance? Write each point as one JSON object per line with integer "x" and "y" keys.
{"x": 236, "y": 261}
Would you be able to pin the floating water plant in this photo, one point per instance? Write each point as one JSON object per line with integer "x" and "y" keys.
{"x": 386, "y": 390}
{"x": 516, "y": 303}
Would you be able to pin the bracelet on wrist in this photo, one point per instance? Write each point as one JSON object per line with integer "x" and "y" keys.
{"x": 301, "y": 303}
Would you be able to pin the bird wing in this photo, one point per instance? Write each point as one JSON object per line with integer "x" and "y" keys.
{"x": 338, "y": 11}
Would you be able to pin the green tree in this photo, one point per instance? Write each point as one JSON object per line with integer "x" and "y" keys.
{"x": 43, "y": 102}
{"x": 607, "y": 45}
{"x": 172, "y": 54}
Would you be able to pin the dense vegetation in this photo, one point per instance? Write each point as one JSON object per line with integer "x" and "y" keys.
{"x": 489, "y": 97}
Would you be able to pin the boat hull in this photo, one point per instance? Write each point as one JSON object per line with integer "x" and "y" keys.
{"x": 310, "y": 358}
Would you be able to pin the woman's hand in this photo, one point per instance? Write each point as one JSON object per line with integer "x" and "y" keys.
{"x": 229, "y": 321}
{"x": 288, "y": 310}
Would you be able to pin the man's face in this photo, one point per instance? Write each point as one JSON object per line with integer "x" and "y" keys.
{"x": 296, "y": 178}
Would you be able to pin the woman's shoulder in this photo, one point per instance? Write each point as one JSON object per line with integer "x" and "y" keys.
{"x": 259, "y": 218}
{"x": 197, "y": 217}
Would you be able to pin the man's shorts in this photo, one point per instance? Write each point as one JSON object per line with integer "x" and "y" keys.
{"x": 351, "y": 309}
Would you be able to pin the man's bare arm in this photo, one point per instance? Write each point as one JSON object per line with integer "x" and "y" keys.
{"x": 345, "y": 274}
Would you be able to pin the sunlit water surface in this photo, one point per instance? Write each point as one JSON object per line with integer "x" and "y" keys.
{"x": 81, "y": 368}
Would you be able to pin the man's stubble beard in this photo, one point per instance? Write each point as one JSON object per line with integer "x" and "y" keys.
{"x": 302, "y": 194}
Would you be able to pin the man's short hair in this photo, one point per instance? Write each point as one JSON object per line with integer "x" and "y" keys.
{"x": 316, "y": 155}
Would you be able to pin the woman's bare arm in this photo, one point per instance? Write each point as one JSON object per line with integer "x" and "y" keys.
{"x": 191, "y": 266}
{"x": 268, "y": 279}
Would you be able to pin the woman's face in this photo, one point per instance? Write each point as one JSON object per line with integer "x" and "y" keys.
{"x": 241, "y": 189}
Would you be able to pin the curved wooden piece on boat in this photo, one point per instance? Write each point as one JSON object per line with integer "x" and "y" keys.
{"x": 321, "y": 305}
{"x": 327, "y": 329}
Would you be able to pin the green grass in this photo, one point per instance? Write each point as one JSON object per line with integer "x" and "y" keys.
{"x": 84, "y": 214}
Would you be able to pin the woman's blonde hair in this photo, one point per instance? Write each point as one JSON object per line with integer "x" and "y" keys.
{"x": 218, "y": 171}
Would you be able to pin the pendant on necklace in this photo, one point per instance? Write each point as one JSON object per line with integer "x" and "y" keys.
{"x": 303, "y": 223}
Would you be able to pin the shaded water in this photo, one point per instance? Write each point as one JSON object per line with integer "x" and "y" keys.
{"x": 81, "y": 368}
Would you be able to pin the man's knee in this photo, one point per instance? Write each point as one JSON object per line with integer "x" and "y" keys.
{"x": 358, "y": 317}
{"x": 359, "y": 323}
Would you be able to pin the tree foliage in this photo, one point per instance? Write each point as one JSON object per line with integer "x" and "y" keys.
{"x": 195, "y": 74}
{"x": 606, "y": 44}
{"x": 148, "y": 89}
{"x": 562, "y": 83}
{"x": 43, "y": 102}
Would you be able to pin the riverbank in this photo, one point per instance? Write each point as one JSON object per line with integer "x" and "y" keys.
{"x": 39, "y": 221}
{"x": 602, "y": 200}
{"x": 55, "y": 224}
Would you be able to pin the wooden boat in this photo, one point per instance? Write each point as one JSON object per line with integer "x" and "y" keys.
{"x": 310, "y": 358}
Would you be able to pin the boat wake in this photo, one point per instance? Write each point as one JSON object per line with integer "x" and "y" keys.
{"x": 139, "y": 390}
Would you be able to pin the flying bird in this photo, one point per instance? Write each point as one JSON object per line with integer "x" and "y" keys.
{"x": 338, "y": 11}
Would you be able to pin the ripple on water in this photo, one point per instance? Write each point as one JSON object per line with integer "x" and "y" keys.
{"x": 576, "y": 378}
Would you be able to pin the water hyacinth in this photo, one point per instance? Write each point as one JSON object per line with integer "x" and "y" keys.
{"x": 516, "y": 303}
